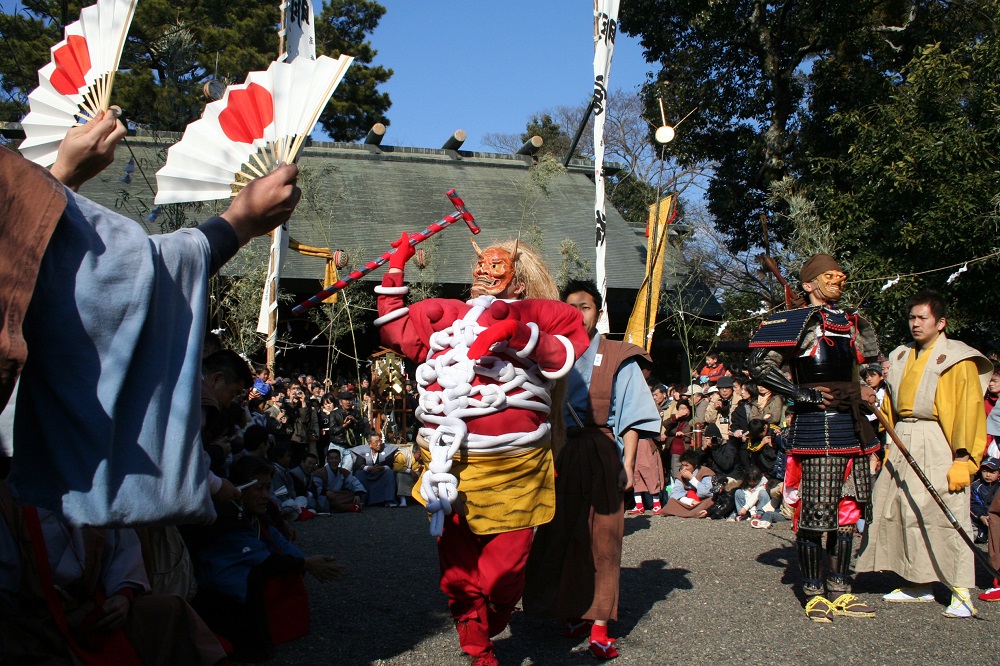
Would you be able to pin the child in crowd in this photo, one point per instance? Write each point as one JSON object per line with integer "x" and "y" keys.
{"x": 691, "y": 492}
{"x": 246, "y": 569}
{"x": 752, "y": 499}
{"x": 984, "y": 489}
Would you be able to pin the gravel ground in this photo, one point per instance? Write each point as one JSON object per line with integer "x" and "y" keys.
{"x": 692, "y": 591}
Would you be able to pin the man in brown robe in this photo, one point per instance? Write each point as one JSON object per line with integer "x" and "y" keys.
{"x": 575, "y": 561}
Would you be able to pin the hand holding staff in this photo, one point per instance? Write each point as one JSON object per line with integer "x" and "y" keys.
{"x": 461, "y": 213}
{"x": 983, "y": 559}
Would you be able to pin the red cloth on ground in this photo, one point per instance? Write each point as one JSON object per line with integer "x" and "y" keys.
{"x": 483, "y": 577}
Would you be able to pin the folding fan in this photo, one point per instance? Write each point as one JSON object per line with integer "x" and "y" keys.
{"x": 253, "y": 128}
{"x": 76, "y": 85}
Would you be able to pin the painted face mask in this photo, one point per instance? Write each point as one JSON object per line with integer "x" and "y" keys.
{"x": 493, "y": 272}
{"x": 831, "y": 284}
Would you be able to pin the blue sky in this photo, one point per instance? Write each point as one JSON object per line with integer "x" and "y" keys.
{"x": 485, "y": 66}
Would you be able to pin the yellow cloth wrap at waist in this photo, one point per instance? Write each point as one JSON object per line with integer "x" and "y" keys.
{"x": 501, "y": 492}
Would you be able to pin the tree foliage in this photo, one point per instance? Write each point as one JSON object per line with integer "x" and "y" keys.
{"x": 343, "y": 27}
{"x": 175, "y": 46}
{"x": 918, "y": 188}
{"x": 746, "y": 69}
{"x": 866, "y": 128}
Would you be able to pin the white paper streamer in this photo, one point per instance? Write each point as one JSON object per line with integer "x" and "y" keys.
{"x": 954, "y": 276}
{"x": 891, "y": 283}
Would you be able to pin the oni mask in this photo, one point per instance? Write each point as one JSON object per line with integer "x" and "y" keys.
{"x": 830, "y": 285}
{"x": 494, "y": 272}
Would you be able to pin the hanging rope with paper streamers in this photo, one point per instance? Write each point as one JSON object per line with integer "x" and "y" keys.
{"x": 962, "y": 266}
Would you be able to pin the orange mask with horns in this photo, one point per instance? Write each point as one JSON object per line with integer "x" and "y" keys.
{"x": 493, "y": 273}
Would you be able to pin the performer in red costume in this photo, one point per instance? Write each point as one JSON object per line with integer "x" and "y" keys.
{"x": 488, "y": 367}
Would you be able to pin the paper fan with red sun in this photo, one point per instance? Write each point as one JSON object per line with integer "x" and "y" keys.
{"x": 76, "y": 85}
{"x": 256, "y": 126}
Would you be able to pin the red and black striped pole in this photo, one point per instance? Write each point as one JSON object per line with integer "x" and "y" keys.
{"x": 461, "y": 213}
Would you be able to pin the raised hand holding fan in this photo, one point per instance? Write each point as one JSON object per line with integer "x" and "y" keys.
{"x": 256, "y": 126}
{"x": 76, "y": 85}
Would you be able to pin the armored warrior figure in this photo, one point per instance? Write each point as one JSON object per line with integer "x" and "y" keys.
{"x": 832, "y": 443}
{"x": 486, "y": 374}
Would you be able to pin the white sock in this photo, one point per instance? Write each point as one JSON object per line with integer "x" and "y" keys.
{"x": 638, "y": 501}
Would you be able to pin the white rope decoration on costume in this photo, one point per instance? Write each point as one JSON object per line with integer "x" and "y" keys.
{"x": 392, "y": 291}
{"x": 392, "y": 316}
{"x": 449, "y": 408}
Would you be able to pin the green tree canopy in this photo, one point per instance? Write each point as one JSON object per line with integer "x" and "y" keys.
{"x": 343, "y": 27}
{"x": 175, "y": 46}
{"x": 747, "y": 68}
{"x": 919, "y": 187}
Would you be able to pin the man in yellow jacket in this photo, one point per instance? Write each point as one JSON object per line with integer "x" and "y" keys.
{"x": 936, "y": 387}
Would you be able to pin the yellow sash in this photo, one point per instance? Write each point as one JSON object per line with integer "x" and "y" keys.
{"x": 502, "y": 493}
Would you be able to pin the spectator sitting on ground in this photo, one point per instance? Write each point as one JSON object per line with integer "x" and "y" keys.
{"x": 246, "y": 568}
{"x": 283, "y": 487}
{"x": 691, "y": 493}
{"x": 752, "y": 498}
{"x": 407, "y": 465}
{"x": 720, "y": 453}
{"x": 984, "y": 490}
{"x": 302, "y": 477}
{"x": 373, "y": 468}
{"x": 678, "y": 437}
{"x": 337, "y": 490}
{"x": 761, "y": 448}
{"x": 256, "y": 442}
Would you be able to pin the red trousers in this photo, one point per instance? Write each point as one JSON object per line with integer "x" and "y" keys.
{"x": 483, "y": 577}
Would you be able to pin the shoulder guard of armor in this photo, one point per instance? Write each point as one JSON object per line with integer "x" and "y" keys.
{"x": 783, "y": 329}
{"x": 867, "y": 340}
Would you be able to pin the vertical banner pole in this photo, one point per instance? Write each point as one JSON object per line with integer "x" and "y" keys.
{"x": 605, "y": 29}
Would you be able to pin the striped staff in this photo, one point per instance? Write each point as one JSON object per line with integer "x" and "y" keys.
{"x": 461, "y": 213}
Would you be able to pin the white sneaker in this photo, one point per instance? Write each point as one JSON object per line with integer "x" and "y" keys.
{"x": 919, "y": 594}
{"x": 961, "y": 604}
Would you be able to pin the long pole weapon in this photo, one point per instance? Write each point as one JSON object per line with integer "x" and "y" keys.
{"x": 983, "y": 559}
{"x": 461, "y": 213}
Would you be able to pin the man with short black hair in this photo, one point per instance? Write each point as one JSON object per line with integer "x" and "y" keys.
{"x": 346, "y": 427}
{"x": 936, "y": 386}
{"x": 574, "y": 566}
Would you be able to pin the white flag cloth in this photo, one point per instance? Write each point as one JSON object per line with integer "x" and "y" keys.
{"x": 275, "y": 263}
{"x": 605, "y": 29}
{"x": 300, "y": 41}
{"x": 300, "y": 30}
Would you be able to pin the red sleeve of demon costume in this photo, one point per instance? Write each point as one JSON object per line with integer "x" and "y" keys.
{"x": 409, "y": 330}
{"x": 553, "y": 318}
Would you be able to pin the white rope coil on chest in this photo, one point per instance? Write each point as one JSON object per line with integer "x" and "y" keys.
{"x": 448, "y": 409}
